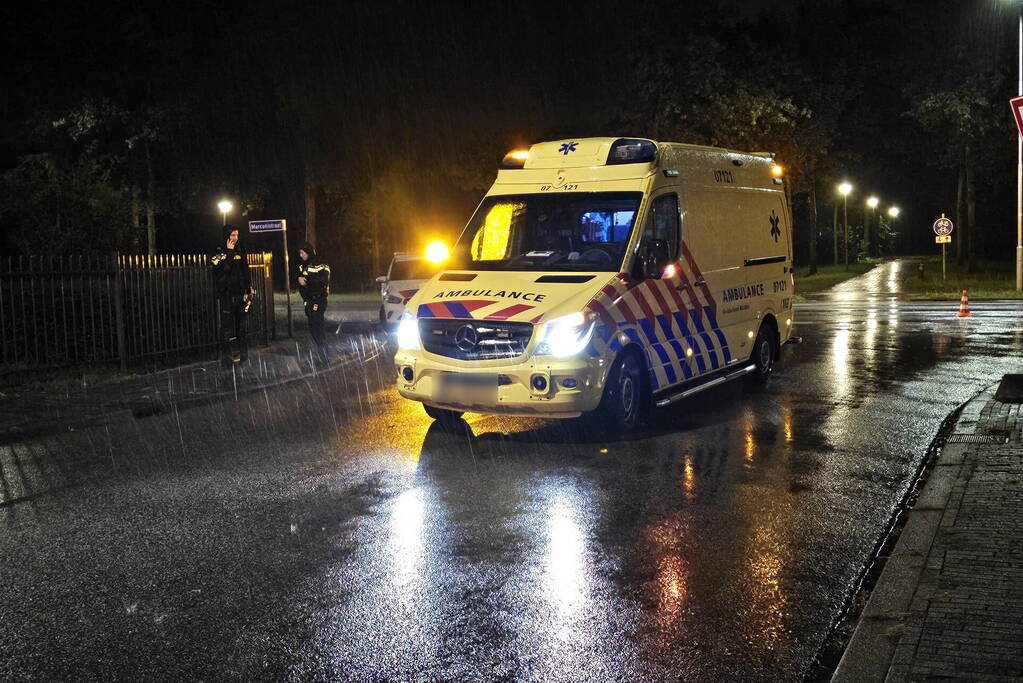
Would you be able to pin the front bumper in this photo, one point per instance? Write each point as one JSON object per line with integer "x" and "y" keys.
{"x": 392, "y": 312}
{"x": 574, "y": 385}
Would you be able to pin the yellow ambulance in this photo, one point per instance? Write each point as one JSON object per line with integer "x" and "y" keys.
{"x": 605, "y": 275}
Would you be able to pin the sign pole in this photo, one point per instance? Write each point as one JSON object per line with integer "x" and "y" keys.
{"x": 287, "y": 280}
{"x": 280, "y": 225}
{"x": 943, "y": 235}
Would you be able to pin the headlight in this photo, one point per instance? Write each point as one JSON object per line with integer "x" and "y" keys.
{"x": 565, "y": 336}
{"x": 408, "y": 333}
{"x": 391, "y": 299}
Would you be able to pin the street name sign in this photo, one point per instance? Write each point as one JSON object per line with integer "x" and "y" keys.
{"x": 943, "y": 226}
{"x": 280, "y": 225}
{"x": 1017, "y": 112}
{"x": 943, "y": 239}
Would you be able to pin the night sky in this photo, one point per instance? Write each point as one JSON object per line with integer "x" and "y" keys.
{"x": 397, "y": 113}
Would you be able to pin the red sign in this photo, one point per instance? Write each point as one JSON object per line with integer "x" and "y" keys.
{"x": 1017, "y": 111}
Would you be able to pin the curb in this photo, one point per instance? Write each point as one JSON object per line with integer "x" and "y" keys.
{"x": 869, "y": 654}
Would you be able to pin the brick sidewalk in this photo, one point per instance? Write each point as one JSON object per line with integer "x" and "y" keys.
{"x": 949, "y": 604}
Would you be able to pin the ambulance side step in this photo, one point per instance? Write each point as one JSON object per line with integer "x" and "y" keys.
{"x": 720, "y": 379}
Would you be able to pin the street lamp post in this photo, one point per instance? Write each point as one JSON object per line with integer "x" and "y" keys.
{"x": 872, "y": 203}
{"x": 225, "y": 208}
{"x": 1019, "y": 168}
{"x": 893, "y": 211}
{"x": 845, "y": 189}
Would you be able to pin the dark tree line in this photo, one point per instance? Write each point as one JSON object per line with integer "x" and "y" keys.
{"x": 375, "y": 127}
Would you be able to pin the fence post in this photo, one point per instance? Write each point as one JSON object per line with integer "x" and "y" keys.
{"x": 122, "y": 344}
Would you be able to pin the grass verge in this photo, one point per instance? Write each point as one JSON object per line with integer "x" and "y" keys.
{"x": 827, "y": 276}
{"x": 992, "y": 280}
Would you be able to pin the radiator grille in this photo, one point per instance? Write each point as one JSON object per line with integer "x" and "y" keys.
{"x": 474, "y": 339}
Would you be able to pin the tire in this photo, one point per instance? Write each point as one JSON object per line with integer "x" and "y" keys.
{"x": 625, "y": 398}
{"x": 383, "y": 317}
{"x": 446, "y": 418}
{"x": 764, "y": 355}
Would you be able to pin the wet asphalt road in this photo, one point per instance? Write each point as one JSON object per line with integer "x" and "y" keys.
{"x": 328, "y": 531}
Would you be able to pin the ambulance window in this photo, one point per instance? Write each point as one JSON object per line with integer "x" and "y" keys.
{"x": 606, "y": 226}
{"x": 663, "y": 224}
{"x": 560, "y": 231}
{"x": 492, "y": 241}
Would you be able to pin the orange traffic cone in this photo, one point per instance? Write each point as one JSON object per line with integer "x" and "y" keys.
{"x": 964, "y": 305}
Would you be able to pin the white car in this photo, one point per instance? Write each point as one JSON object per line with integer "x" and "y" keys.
{"x": 404, "y": 278}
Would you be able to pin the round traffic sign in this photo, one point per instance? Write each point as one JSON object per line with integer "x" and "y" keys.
{"x": 943, "y": 226}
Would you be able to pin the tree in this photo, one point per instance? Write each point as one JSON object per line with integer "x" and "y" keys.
{"x": 961, "y": 118}
{"x": 50, "y": 207}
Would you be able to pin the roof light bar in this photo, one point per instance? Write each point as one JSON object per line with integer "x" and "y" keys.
{"x": 631, "y": 151}
{"x": 515, "y": 158}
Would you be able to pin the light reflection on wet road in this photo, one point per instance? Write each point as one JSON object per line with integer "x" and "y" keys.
{"x": 718, "y": 544}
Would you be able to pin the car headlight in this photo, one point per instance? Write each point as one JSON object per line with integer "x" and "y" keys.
{"x": 408, "y": 333}
{"x": 565, "y": 336}
{"x": 391, "y": 299}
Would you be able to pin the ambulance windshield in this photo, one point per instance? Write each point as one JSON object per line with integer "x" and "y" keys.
{"x": 564, "y": 231}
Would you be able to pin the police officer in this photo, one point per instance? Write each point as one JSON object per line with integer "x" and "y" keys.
{"x": 230, "y": 268}
{"x": 314, "y": 286}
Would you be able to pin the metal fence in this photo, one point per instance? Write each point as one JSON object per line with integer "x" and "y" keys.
{"x": 120, "y": 308}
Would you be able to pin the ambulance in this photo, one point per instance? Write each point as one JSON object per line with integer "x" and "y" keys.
{"x": 604, "y": 276}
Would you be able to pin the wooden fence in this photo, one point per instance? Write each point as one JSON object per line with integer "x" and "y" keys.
{"x": 71, "y": 310}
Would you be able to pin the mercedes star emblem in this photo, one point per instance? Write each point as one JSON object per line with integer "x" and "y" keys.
{"x": 466, "y": 338}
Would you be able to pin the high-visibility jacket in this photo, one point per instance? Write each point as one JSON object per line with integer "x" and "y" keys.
{"x": 317, "y": 280}
{"x": 230, "y": 269}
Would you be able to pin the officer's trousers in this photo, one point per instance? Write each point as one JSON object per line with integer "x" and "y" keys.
{"x": 232, "y": 325}
{"x": 314, "y": 311}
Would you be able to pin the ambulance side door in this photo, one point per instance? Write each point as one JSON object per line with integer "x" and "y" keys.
{"x": 712, "y": 268}
{"x": 655, "y": 300}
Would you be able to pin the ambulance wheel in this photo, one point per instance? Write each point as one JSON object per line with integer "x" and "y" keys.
{"x": 446, "y": 418}
{"x": 764, "y": 355}
{"x": 625, "y": 396}
{"x": 383, "y": 318}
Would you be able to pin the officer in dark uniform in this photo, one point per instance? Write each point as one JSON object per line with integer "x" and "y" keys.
{"x": 230, "y": 267}
{"x": 314, "y": 286}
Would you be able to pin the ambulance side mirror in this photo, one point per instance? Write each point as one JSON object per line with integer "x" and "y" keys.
{"x": 654, "y": 257}
{"x": 381, "y": 279}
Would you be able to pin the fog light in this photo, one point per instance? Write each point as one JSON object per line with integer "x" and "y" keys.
{"x": 406, "y": 373}
{"x": 539, "y": 383}
{"x": 569, "y": 382}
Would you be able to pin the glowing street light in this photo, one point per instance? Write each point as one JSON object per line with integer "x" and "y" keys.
{"x": 872, "y": 202}
{"x": 844, "y": 189}
{"x": 225, "y": 207}
{"x": 893, "y": 212}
